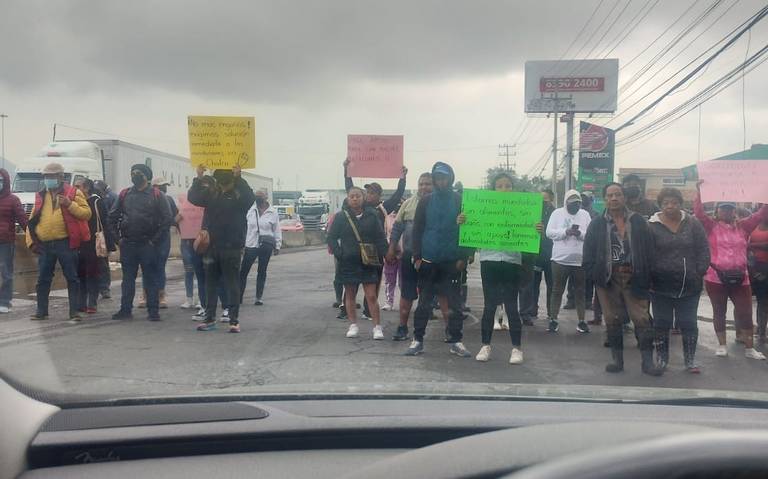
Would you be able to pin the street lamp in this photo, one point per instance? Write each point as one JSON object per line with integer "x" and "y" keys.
{"x": 3, "y": 116}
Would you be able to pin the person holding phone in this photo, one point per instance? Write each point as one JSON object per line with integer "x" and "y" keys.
{"x": 57, "y": 227}
{"x": 566, "y": 229}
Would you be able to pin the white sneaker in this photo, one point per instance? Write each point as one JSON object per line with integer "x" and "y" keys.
{"x": 224, "y": 316}
{"x": 353, "y": 331}
{"x": 378, "y": 333}
{"x": 366, "y": 317}
{"x": 752, "y": 353}
{"x": 721, "y": 351}
{"x": 484, "y": 354}
{"x": 5, "y": 309}
{"x": 516, "y": 357}
{"x": 387, "y": 307}
{"x": 496, "y": 325}
{"x": 188, "y": 304}
{"x": 505, "y": 324}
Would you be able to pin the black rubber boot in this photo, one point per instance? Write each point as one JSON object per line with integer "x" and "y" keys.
{"x": 616, "y": 342}
{"x": 662, "y": 348}
{"x": 689, "y": 350}
{"x": 646, "y": 353}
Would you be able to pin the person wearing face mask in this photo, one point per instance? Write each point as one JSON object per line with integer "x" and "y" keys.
{"x": 226, "y": 207}
{"x": 566, "y": 228}
{"x": 165, "y": 242}
{"x": 101, "y": 188}
{"x": 727, "y": 276}
{"x": 89, "y": 262}
{"x": 263, "y": 239}
{"x": 140, "y": 218}
{"x": 636, "y": 200}
{"x": 57, "y": 227}
{"x": 11, "y": 214}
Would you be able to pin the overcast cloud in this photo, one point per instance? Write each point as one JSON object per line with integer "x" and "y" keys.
{"x": 446, "y": 74}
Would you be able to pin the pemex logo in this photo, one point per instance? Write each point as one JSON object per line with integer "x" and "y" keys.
{"x": 594, "y": 138}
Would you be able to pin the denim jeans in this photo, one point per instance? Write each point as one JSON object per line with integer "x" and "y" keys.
{"x": 164, "y": 250}
{"x": 7, "y": 251}
{"x": 250, "y": 255}
{"x": 193, "y": 267}
{"x": 51, "y": 252}
{"x": 133, "y": 255}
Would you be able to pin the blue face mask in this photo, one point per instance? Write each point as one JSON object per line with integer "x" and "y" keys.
{"x": 50, "y": 183}
{"x": 2, "y": 184}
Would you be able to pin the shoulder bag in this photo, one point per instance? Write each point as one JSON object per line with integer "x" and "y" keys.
{"x": 99, "y": 239}
{"x": 368, "y": 252}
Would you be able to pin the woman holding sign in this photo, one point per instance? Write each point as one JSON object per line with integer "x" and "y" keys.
{"x": 501, "y": 273}
{"x": 357, "y": 241}
{"x": 727, "y": 276}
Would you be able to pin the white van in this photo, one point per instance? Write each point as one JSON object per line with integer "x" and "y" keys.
{"x": 80, "y": 159}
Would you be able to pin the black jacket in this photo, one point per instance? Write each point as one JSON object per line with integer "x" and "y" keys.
{"x": 680, "y": 259}
{"x": 597, "y": 253}
{"x": 140, "y": 216}
{"x": 341, "y": 238}
{"x": 225, "y": 213}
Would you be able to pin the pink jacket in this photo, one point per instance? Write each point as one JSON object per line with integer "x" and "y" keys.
{"x": 728, "y": 242}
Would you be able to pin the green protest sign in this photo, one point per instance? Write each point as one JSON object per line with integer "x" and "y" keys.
{"x": 501, "y": 220}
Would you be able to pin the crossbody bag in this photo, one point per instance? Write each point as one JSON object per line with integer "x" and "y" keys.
{"x": 368, "y": 252}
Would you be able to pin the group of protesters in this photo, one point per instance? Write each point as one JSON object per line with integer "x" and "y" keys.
{"x": 639, "y": 265}
{"x": 79, "y": 225}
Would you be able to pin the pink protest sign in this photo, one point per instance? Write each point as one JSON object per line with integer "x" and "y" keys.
{"x": 734, "y": 180}
{"x": 375, "y": 156}
{"x": 191, "y": 218}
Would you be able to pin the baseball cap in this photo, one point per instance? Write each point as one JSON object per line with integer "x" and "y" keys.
{"x": 375, "y": 187}
{"x": 730, "y": 204}
{"x": 572, "y": 196}
{"x": 160, "y": 181}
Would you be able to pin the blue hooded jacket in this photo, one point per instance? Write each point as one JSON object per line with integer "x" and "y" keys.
{"x": 435, "y": 232}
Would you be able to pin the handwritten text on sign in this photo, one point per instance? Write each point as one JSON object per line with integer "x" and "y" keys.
{"x": 222, "y": 141}
{"x": 501, "y": 220}
{"x": 375, "y": 156}
{"x": 734, "y": 180}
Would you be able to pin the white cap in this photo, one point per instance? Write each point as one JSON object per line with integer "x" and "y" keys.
{"x": 571, "y": 196}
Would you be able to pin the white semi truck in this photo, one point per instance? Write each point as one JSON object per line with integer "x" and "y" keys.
{"x": 111, "y": 160}
{"x": 314, "y": 207}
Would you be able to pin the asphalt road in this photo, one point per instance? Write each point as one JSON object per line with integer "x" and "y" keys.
{"x": 295, "y": 339}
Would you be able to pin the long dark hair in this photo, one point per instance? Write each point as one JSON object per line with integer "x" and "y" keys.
{"x": 499, "y": 176}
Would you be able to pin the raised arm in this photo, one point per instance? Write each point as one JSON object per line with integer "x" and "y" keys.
{"x": 348, "y": 184}
{"x": 701, "y": 215}
{"x": 394, "y": 200}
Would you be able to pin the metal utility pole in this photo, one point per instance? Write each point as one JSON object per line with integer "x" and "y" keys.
{"x": 554, "y": 153}
{"x": 568, "y": 120}
{"x": 3, "y": 116}
{"x": 504, "y": 151}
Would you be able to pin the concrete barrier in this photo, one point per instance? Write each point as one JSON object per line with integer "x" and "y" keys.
{"x": 296, "y": 239}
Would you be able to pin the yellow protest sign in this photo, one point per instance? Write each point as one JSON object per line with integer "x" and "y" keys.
{"x": 220, "y": 142}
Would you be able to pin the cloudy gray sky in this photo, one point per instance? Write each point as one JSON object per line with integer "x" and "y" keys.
{"x": 446, "y": 74}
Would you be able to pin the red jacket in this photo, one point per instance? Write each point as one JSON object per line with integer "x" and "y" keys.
{"x": 11, "y": 211}
{"x": 77, "y": 229}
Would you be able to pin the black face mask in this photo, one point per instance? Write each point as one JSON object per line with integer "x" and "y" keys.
{"x": 260, "y": 202}
{"x": 138, "y": 180}
{"x": 573, "y": 208}
{"x": 633, "y": 192}
{"x": 164, "y": 189}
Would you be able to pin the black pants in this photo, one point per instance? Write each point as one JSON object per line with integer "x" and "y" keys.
{"x": 338, "y": 288}
{"x": 222, "y": 267}
{"x": 439, "y": 279}
{"x": 682, "y": 312}
{"x": 263, "y": 254}
{"x": 500, "y": 285}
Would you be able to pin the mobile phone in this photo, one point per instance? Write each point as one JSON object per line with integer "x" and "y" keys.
{"x": 575, "y": 227}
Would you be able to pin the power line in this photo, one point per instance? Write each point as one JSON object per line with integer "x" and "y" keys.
{"x": 703, "y": 96}
{"x": 759, "y": 17}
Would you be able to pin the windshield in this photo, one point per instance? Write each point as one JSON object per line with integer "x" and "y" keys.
{"x": 31, "y": 182}
{"x": 483, "y": 195}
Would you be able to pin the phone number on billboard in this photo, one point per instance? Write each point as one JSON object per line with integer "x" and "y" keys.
{"x": 547, "y": 85}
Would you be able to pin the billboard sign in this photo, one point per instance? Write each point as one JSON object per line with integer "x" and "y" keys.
{"x": 596, "y": 158}
{"x": 576, "y": 86}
